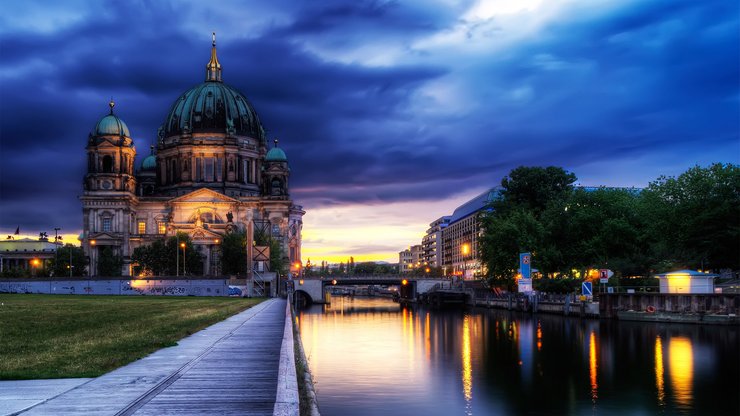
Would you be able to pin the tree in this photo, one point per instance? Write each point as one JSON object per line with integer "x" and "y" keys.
{"x": 109, "y": 263}
{"x": 514, "y": 223}
{"x": 162, "y": 256}
{"x": 234, "y": 253}
{"x": 503, "y": 238}
{"x": 694, "y": 219}
{"x": 534, "y": 188}
{"x": 61, "y": 265}
{"x": 278, "y": 260}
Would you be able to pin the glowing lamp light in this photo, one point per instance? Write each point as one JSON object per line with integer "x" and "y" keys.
{"x": 404, "y": 282}
{"x": 427, "y": 270}
{"x": 300, "y": 282}
{"x": 297, "y": 265}
{"x": 92, "y": 242}
{"x": 334, "y": 282}
{"x": 182, "y": 245}
{"x": 35, "y": 262}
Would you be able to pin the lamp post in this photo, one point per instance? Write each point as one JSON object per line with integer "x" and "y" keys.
{"x": 177, "y": 255}
{"x": 183, "y": 257}
{"x": 56, "y": 245}
{"x": 70, "y": 262}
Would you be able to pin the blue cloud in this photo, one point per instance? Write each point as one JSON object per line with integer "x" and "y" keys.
{"x": 367, "y": 107}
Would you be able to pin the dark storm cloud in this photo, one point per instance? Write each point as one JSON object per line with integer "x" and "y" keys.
{"x": 643, "y": 79}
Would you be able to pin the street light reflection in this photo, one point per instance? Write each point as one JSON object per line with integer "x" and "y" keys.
{"x": 681, "y": 364}
{"x": 467, "y": 366}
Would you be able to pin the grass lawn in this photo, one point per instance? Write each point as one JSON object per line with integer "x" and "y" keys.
{"x": 56, "y": 336}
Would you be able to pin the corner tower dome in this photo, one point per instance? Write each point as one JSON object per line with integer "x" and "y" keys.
{"x": 213, "y": 107}
{"x": 111, "y": 125}
{"x": 276, "y": 154}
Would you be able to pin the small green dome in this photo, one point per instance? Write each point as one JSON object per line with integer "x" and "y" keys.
{"x": 111, "y": 125}
{"x": 276, "y": 154}
{"x": 149, "y": 163}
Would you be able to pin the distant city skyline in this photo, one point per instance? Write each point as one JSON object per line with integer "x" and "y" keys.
{"x": 391, "y": 114}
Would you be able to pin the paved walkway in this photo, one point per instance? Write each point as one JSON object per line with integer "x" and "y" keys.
{"x": 228, "y": 368}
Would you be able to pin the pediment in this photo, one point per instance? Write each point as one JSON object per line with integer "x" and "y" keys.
{"x": 204, "y": 195}
{"x": 201, "y": 234}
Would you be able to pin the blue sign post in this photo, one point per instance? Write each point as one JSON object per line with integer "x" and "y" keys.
{"x": 586, "y": 289}
{"x": 525, "y": 265}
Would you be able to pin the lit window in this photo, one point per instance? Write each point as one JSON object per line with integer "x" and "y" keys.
{"x": 161, "y": 228}
{"x": 142, "y": 227}
{"x": 107, "y": 224}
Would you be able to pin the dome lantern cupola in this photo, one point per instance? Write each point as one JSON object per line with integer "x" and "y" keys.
{"x": 213, "y": 69}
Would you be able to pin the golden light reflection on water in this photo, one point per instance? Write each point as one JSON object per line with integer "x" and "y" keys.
{"x": 427, "y": 339}
{"x": 659, "y": 371}
{"x": 593, "y": 367}
{"x": 681, "y": 365}
{"x": 467, "y": 366}
{"x": 539, "y": 336}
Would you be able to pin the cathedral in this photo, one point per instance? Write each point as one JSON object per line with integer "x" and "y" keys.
{"x": 211, "y": 172}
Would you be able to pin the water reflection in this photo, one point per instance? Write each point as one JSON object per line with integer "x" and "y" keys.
{"x": 370, "y": 357}
{"x": 659, "y": 372}
{"x": 592, "y": 367}
{"x": 681, "y": 362}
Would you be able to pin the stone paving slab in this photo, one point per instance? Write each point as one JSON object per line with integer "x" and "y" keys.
{"x": 228, "y": 368}
{"x": 17, "y": 395}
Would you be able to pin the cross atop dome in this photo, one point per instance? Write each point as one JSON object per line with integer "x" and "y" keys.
{"x": 213, "y": 69}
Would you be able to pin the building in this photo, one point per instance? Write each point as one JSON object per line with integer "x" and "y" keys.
{"x": 431, "y": 244}
{"x": 460, "y": 236}
{"x": 26, "y": 254}
{"x": 211, "y": 172}
{"x": 409, "y": 259}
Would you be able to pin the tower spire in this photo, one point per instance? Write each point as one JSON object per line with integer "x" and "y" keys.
{"x": 213, "y": 69}
{"x": 111, "y": 104}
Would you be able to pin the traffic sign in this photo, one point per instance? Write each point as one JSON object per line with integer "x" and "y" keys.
{"x": 525, "y": 265}
{"x": 604, "y": 275}
{"x": 586, "y": 289}
{"x": 525, "y": 285}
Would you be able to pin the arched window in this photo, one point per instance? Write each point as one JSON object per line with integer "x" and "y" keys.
{"x": 277, "y": 187}
{"x": 107, "y": 164}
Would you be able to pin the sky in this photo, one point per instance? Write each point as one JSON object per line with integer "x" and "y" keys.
{"x": 392, "y": 113}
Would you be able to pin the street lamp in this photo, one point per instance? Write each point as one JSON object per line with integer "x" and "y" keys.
{"x": 183, "y": 258}
{"x": 34, "y": 265}
{"x": 177, "y": 255}
{"x": 56, "y": 246}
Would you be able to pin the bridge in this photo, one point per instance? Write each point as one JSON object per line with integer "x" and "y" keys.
{"x": 313, "y": 289}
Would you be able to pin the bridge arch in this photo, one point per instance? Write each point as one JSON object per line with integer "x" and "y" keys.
{"x": 303, "y": 297}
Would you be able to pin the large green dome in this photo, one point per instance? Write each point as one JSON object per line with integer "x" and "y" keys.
{"x": 213, "y": 107}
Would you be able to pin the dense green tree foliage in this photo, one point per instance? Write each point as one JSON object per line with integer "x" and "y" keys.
{"x": 109, "y": 263}
{"x": 692, "y": 221}
{"x": 61, "y": 265}
{"x": 161, "y": 258}
{"x": 234, "y": 253}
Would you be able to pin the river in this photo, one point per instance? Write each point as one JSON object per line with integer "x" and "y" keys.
{"x": 370, "y": 356}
